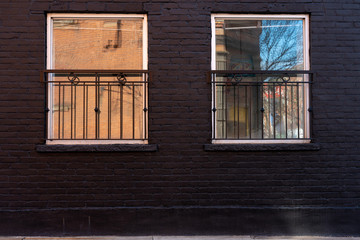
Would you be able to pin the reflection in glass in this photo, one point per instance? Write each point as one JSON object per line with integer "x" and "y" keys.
{"x": 260, "y": 106}
{"x": 97, "y": 44}
{"x": 119, "y": 113}
{"x": 97, "y": 107}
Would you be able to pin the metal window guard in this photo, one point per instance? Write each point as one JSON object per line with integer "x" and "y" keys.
{"x": 96, "y": 104}
{"x": 261, "y": 105}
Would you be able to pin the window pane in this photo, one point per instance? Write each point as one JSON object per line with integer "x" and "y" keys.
{"x": 259, "y": 44}
{"x": 97, "y": 44}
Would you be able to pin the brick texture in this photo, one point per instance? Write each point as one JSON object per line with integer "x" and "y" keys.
{"x": 180, "y": 174}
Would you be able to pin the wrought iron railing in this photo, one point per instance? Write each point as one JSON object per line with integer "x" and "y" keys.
{"x": 96, "y": 104}
{"x": 261, "y": 105}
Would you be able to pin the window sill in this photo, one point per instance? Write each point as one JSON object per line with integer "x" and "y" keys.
{"x": 249, "y": 147}
{"x": 97, "y": 148}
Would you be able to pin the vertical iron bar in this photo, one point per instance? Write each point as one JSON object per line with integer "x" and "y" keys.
{"x": 245, "y": 112}
{"x": 274, "y": 109}
{"x": 250, "y": 110}
{"x": 87, "y": 111}
{"x": 225, "y": 110}
{"x": 280, "y": 118}
{"x": 303, "y": 108}
{"x": 310, "y": 107}
{"x": 46, "y": 108}
{"x": 286, "y": 112}
{"x": 298, "y": 107}
{"x": 257, "y": 107}
{"x": 71, "y": 111}
{"x": 262, "y": 110}
{"x": 238, "y": 110}
{"x": 74, "y": 111}
{"x": 83, "y": 111}
{"x": 234, "y": 107}
{"x": 109, "y": 111}
{"x": 98, "y": 106}
{"x": 292, "y": 111}
{"x": 269, "y": 103}
{"x": 63, "y": 111}
{"x": 213, "y": 111}
{"x": 145, "y": 77}
{"x": 97, "y": 132}
{"x": 121, "y": 111}
{"x": 223, "y": 118}
{"x": 59, "y": 111}
{"x": 269, "y": 110}
{"x": 133, "y": 111}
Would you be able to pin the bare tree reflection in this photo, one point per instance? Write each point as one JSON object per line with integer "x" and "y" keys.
{"x": 281, "y": 44}
{"x": 281, "y": 48}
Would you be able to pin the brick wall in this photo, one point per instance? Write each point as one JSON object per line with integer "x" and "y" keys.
{"x": 181, "y": 186}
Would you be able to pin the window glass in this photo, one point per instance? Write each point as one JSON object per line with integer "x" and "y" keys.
{"x": 110, "y": 103}
{"x": 250, "y": 99}
{"x": 97, "y": 43}
{"x": 259, "y": 44}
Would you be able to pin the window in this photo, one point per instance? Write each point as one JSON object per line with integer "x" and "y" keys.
{"x": 96, "y": 79}
{"x": 260, "y": 79}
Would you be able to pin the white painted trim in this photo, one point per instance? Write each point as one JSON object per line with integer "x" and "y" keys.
{"x": 94, "y": 15}
{"x": 94, "y": 142}
{"x": 213, "y": 43}
{"x": 145, "y": 67}
{"x": 145, "y": 43}
{"x": 49, "y": 42}
{"x": 306, "y": 36}
{"x": 49, "y": 66}
{"x": 260, "y": 16}
{"x": 213, "y": 67}
{"x": 306, "y": 39}
{"x": 265, "y": 141}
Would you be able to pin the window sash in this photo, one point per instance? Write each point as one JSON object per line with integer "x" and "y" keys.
{"x": 220, "y": 114}
{"x": 96, "y": 86}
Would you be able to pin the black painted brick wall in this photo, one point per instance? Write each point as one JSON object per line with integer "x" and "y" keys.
{"x": 180, "y": 174}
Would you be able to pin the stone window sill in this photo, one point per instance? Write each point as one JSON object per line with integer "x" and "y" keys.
{"x": 97, "y": 148}
{"x": 261, "y": 147}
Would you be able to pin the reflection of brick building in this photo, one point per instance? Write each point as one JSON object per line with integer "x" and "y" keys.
{"x": 237, "y": 48}
{"x": 98, "y": 44}
{"x": 180, "y": 183}
{"x": 244, "y": 56}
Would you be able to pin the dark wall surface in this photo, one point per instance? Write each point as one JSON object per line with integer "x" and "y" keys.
{"x": 181, "y": 188}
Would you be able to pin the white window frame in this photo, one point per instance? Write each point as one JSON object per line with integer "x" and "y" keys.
{"x": 49, "y": 57}
{"x": 306, "y": 55}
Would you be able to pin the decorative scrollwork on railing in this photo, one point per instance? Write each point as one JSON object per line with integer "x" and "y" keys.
{"x": 79, "y": 100}
{"x": 73, "y": 79}
{"x": 121, "y": 77}
{"x": 236, "y": 79}
{"x": 260, "y": 105}
{"x": 284, "y": 79}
